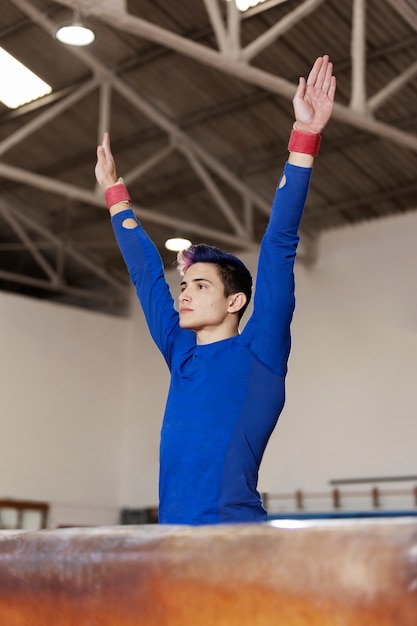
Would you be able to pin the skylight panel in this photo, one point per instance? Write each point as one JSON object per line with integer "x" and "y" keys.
{"x": 18, "y": 84}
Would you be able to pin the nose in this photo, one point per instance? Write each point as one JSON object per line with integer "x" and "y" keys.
{"x": 184, "y": 296}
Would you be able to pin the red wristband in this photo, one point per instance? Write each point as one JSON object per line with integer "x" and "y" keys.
{"x": 307, "y": 143}
{"x": 116, "y": 193}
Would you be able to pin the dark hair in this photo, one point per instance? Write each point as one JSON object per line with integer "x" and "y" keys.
{"x": 234, "y": 274}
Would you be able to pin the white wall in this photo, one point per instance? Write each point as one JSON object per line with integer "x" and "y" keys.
{"x": 148, "y": 382}
{"x": 62, "y": 382}
{"x": 83, "y": 394}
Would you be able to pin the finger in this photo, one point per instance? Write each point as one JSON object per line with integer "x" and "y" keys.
{"x": 301, "y": 88}
{"x": 100, "y": 153}
{"x": 327, "y": 78}
{"x": 321, "y": 76}
{"x": 332, "y": 89}
{"x": 312, "y": 77}
{"x": 106, "y": 144}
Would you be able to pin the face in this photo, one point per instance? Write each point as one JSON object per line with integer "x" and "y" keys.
{"x": 202, "y": 303}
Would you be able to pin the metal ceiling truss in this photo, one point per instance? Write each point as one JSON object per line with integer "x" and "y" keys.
{"x": 230, "y": 58}
{"x": 25, "y": 227}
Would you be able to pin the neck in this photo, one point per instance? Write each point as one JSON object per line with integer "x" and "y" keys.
{"x": 207, "y": 335}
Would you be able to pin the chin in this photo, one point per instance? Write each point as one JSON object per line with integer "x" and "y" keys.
{"x": 184, "y": 324}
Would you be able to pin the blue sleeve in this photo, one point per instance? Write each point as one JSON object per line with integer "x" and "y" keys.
{"x": 268, "y": 329}
{"x": 147, "y": 275}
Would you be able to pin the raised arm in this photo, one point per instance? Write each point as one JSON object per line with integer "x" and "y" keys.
{"x": 274, "y": 301}
{"x": 140, "y": 254}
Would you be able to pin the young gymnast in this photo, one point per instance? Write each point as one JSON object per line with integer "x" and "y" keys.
{"x": 227, "y": 387}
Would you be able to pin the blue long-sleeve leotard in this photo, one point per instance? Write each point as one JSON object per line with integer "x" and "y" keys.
{"x": 225, "y": 397}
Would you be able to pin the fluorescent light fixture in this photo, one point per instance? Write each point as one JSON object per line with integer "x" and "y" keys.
{"x": 75, "y": 34}
{"x": 18, "y": 84}
{"x": 176, "y": 244}
{"x": 244, "y": 5}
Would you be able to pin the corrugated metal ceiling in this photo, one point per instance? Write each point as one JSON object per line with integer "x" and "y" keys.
{"x": 199, "y": 109}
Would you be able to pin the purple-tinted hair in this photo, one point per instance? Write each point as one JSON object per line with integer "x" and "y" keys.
{"x": 234, "y": 274}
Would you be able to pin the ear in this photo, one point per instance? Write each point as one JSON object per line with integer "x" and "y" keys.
{"x": 236, "y": 302}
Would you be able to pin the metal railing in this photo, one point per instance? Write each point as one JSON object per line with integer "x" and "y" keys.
{"x": 345, "y": 495}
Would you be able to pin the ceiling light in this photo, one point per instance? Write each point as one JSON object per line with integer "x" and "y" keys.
{"x": 176, "y": 244}
{"x": 75, "y": 33}
{"x": 244, "y": 5}
{"x": 18, "y": 84}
